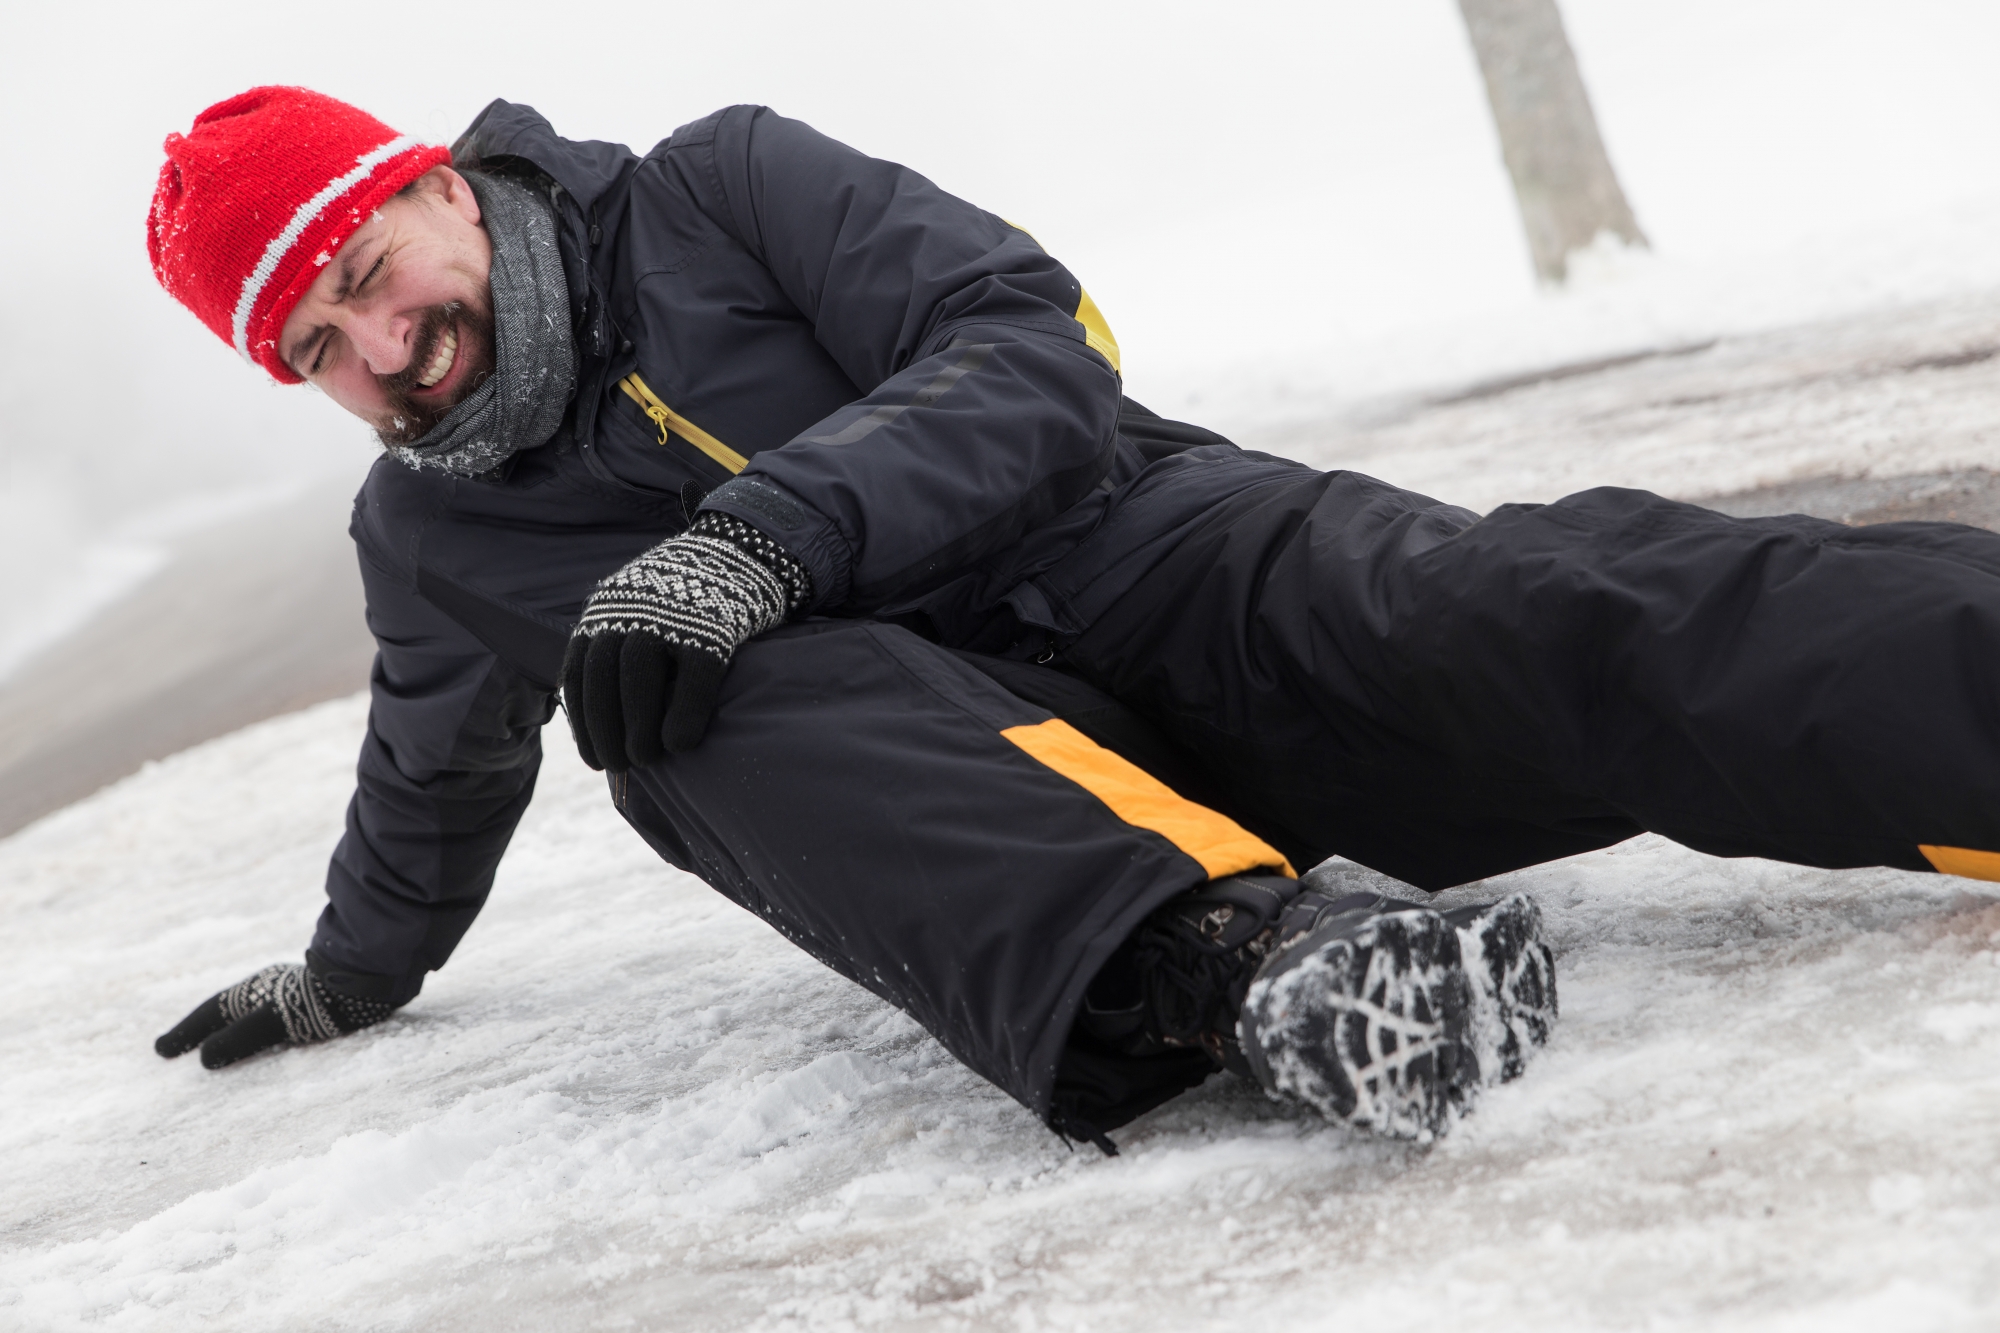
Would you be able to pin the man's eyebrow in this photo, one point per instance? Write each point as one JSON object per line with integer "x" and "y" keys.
{"x": 346, "y": 274}
{"x": 340, "y": 293}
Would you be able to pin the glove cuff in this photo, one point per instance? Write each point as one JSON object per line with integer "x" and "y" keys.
{"x": 353, "y": 1000}
{"x": 776, "y": 560}
{"x": 347, "y": 1013}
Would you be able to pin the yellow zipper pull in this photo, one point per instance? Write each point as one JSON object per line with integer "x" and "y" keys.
{"x": 668, "y": 420}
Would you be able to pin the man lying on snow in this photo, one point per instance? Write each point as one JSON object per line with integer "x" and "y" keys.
{"x": 811, "y": 490}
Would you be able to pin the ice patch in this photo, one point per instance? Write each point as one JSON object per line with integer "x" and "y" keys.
{"x": 799, "y": 1102}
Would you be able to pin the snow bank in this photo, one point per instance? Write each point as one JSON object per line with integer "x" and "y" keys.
{"x": 1773, "y": 1103}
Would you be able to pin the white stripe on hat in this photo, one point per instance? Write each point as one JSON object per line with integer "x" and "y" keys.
{"x": 281, "y": 244}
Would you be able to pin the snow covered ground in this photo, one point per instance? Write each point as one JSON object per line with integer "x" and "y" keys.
{"x": 1773, "y": 1103}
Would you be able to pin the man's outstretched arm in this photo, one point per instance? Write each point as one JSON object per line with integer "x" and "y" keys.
{"x": 446, "y": 770}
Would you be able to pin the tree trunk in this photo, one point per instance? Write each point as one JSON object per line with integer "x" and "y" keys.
{"x": 1563, "y": 180}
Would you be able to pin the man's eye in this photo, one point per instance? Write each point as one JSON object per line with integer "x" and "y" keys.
{"x": 373, "y": 269}
{"x": 319, "y": 356}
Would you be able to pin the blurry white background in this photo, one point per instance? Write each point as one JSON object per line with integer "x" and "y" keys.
{"x": 1280, "y": 207}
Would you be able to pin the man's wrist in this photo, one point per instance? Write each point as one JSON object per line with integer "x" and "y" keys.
{"x": 806, "y": 534}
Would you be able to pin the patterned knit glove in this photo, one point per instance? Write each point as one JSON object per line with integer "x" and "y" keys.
{"x": 645, "y": 664}
{"x": 285, "y": 1004}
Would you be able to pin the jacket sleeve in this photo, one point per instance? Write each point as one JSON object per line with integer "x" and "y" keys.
{"x": 447, "y": 768}
{"x": 986, "y": 408}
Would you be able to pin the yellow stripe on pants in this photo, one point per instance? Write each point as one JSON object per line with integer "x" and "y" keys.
{"x": 1220, "y": 844}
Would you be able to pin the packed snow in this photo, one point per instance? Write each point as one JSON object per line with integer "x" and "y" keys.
{"x": 1897, "y": 392}
{"x": 1772, "y": 1102}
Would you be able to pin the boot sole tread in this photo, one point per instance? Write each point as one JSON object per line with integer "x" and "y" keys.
{"x": 1367, "y": 1027}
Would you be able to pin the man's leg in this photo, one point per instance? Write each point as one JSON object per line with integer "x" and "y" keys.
{"x": 1375, "y": 674}
{"x": 940, "y": 841}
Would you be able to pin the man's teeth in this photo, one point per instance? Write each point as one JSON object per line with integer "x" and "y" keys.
{"x": 441, "y": 363}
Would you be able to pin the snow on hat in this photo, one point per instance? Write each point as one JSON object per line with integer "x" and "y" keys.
{"x": 258, "y": 196}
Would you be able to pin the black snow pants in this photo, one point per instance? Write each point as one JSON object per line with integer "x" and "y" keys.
{"x": 1324, "y": 664}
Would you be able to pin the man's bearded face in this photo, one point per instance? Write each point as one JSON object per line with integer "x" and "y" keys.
{"x": 398, "y": 327}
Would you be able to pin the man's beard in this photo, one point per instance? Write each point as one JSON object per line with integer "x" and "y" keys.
{"x": 407, "y": 420}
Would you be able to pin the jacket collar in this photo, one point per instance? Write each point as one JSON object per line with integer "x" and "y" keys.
{"x": 507, "y": 135}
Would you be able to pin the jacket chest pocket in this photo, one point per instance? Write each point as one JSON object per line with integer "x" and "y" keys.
{"x": 676, "y": 432}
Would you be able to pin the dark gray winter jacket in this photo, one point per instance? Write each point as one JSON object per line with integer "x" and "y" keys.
{"x": 928, "y": 404}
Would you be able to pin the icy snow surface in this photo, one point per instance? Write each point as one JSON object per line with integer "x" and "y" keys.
{"x": 1773, "y": 1102}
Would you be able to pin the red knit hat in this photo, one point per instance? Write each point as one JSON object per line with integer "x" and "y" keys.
{"x": 257, "y": 197}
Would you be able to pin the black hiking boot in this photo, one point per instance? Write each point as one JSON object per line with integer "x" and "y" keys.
{"x": 1374, "y": 1010}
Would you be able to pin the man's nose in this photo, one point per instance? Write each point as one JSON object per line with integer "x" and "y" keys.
{"x": 383, "y": 341}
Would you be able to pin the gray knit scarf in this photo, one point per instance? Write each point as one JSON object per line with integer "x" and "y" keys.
{"x": 523, "y": 400}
